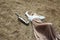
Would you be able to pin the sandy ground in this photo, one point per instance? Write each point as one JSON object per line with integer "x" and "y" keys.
{"x": 12, "y": 29}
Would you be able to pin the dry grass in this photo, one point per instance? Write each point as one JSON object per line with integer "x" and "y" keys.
{"x": 12, "y": 29}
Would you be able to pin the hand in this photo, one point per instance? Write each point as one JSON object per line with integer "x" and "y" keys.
{"x": 38, "y": 23}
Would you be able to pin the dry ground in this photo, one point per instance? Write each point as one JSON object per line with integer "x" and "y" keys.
{"x": 12, "y": 29}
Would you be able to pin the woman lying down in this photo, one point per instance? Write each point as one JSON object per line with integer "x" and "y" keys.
{"x": 42, "y": 31}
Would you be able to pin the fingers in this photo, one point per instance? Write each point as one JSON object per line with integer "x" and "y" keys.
{"x": 37, "y": 23}
{"x": 37, "y": 20}
{"x": 45, "y": 24}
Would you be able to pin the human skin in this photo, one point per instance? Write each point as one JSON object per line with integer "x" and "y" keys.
{"x": 38, "y": 25}
{"x": 37, "y": 22}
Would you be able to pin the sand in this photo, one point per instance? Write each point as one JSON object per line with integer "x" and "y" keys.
{"x": 12, "y": 29}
